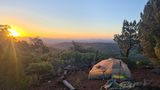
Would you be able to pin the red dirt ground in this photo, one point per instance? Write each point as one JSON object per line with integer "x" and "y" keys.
{"x": 80, "y": 81}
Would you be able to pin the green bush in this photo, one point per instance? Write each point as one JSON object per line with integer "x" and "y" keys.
{"x": 131, "y": 64}
{"x": 40, "y": 68}
{"x": 102, "y": 56}
{"x": 143, "y": 63}
{"x": 77, "y": 59}
{"x": 39, "y": 72}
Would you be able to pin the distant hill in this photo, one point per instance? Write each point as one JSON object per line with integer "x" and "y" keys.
{"x": 56, "y": 40}
{"x": 103, "y": 45}
{"x": 110, "y": 48}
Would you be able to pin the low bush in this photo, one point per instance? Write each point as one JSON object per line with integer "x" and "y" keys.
{"x": 39, "y": 71}
{"x": 40, "y": 68}
{"x": 131, "y": 64}
{"x": 78, "y": 59}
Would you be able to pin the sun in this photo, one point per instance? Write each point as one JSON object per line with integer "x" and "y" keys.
{"x": 13, "y": 33}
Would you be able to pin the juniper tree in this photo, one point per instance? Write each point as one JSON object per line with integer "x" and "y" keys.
{"x": 128, "y": 37}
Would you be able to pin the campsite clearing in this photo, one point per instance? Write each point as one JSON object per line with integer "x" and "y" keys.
{"x": 81, "y": 82}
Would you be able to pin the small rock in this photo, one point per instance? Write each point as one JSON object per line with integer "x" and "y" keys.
{"x": 156, "y": 71}
{"x": 49, "y": 81}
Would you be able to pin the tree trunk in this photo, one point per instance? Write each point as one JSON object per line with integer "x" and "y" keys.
{"x": 127, "y": 53}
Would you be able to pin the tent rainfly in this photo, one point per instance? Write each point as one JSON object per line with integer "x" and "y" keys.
{"x": 110, "y": 68}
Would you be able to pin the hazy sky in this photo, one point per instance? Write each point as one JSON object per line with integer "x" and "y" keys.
{"x": 69, "y": 18}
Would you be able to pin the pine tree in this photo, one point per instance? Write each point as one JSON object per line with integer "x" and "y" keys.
{"x": 149, "y": 29}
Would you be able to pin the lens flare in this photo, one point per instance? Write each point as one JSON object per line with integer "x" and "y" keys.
{"x": 13, "y": 33}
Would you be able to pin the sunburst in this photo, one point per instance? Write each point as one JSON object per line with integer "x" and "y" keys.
{"x": 13, "y": 33}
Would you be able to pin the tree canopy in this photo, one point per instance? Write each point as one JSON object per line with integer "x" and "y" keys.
{"x": 149, "y": 29}
{"x": 128, "y": 37}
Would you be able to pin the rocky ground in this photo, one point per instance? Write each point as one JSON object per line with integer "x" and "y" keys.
{"x": 80, "y": 81}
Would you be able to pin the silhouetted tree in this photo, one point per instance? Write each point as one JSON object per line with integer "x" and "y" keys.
{"x": 149, "y": 29}
{"x": 39, "y": 45}
{"x": 11, "y": 73}
{"x": 77, "y": 47}
{"x": 36, "y": 42}
{"x": 128, "y": 38}
{"x": 3, "y": 37}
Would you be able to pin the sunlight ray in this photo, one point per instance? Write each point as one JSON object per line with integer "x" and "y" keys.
{"x": 14, "y": 56}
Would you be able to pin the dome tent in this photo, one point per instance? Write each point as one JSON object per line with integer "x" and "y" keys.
{"x": 111, "y": 67}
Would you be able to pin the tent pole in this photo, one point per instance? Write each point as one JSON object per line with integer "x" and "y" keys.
{"x": 120, "y": 70}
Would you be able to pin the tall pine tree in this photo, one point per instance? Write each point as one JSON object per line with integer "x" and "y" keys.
{"x": 149, "y": 29}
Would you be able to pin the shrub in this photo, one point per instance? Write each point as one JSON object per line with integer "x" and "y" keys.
{"x": 39, "y": 72}
{"x": 40, "y": 68}
{"x": 143, "y": 63}
{"x": 77, "y": 59}
{"x": 131, "y": 64}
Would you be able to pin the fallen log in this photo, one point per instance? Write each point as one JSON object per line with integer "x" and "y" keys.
{"x": 68, "y": 85}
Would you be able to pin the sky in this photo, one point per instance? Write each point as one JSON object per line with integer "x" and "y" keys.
{"x": 86, "y": 19}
